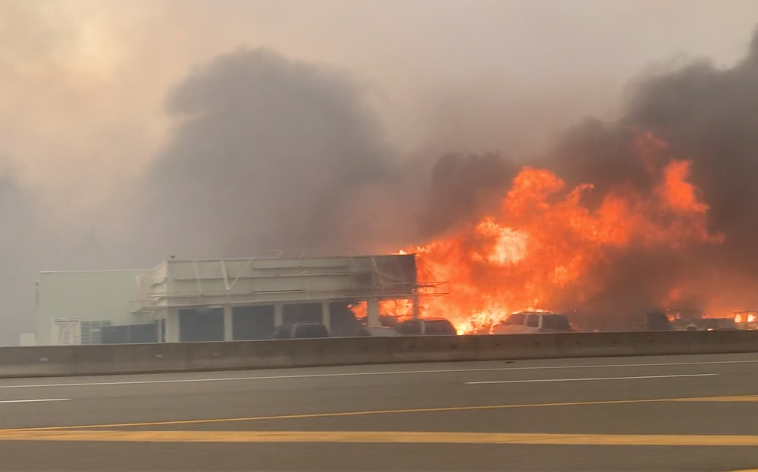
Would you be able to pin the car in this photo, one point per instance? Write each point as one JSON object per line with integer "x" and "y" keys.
{"x": 378, "y": 331}
{"x": 526, "y": 322}
{"x": 300, "y": 331}
{"x": 712, "y": 324}
{"x": 745, "y": 319}
{"x": 652, "y": 320}
{"x": 684, "y": 319}
{"x": 427, "y": 327}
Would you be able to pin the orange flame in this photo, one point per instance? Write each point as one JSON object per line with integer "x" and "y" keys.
{"x": 545, "y": 240}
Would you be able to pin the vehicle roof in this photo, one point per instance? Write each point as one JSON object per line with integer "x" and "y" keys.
{"x": 683, "y": 310}
{"x": 536, "y": 313}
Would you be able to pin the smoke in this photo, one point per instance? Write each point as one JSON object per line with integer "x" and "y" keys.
{"x": 268, "y": 152}
{"x": 707, "y": 115}
{"x": 19, "y": 246}
{"x": 464, "y": 188}
{"x": 271, "y": 153}
{"x": 710, "y": 116}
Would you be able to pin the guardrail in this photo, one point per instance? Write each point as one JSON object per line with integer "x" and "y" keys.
{"x": 186, "y": 357}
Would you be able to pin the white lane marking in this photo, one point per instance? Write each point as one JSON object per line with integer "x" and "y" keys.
{"x": 37, "y": 400}
{"x": 359, "y": 374}
{"x": 588, "y": 379}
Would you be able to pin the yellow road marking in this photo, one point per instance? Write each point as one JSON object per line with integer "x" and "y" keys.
{"x": 382, "y": 437}
{"x": 340, "y": 414}
{"x": 367, "y": 413}
{"x": 740, "y": 398}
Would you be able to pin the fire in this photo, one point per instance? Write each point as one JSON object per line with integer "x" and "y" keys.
{"x": 746, "y": 317}
{"x": 400, "y": 308}
{"x": 544, "y": 241}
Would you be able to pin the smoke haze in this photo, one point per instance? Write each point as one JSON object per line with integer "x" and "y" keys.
{"x": 272, "y": 153}
{"x": 142, "y": 129}
{"x": 706, "y": 114}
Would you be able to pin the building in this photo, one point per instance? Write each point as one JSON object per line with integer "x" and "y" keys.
{"x": 222, "y": 299}
{"x": 73, "y": 307}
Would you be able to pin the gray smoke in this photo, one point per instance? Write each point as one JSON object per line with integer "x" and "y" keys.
{"x": 462, "y": 188}
{"x": 20, "y": 251}
{"x": 266, "y": 153}
{"x": 271, "y": 153}
{"x": 707, "y": 115}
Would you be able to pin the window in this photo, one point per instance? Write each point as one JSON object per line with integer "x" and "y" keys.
{"x": 92, "y": 331}
{"x": 533, "y": 321}
{"x": 439, "y": 327}
{"x": 410, "y": 327}
{"x": 556, "y": 323}
{"x": 430, "y": 328}
{"x": 517, "y": 319}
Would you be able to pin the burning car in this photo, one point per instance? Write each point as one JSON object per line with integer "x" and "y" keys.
{"x": 745, "y": 319}
{"x": 689, "y": 319}
{"x": 712, "y": 324}
{"x": 650, "y": 320}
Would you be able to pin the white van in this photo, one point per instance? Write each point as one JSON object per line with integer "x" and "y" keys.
{"x": 527, "y": 322}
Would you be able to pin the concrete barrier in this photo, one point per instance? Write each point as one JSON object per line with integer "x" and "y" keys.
{"x": 186, "y": 357}
{"x": 434, "y": 348}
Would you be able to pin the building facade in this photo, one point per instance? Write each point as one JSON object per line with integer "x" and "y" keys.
{"x": 221, "y": 299}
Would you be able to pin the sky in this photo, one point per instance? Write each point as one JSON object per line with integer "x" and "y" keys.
{"x": 87, "y": 89}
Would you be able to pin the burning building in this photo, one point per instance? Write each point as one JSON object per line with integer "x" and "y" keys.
{"x": 654, "y": 208}
{"x": 222, "y": 299}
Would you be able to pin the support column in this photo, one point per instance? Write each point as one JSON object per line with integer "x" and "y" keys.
{"x": 326, "y": 316}
{"x": 416, "y": 308}
{"x": 172, "y": 326}
{"x": 372, "y": 313}
{"x": 228, "y": 324}
{"x": 160, "y": 324}
{"x": 278, "y": 315}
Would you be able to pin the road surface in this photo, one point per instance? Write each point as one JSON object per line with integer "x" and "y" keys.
{"x": 694, "y": 413}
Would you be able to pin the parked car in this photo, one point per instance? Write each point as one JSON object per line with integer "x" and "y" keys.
{"x": 427, "y": 327}
{"x": 652, "y": 320}
{"x": 712, "y": 324}
{"x": 533, "y": 322}
{"x": 745, "y": 319}
{"x": 379, "y": 331}
{"x": 300, "y": 331}
{"x": 656, "y": 321}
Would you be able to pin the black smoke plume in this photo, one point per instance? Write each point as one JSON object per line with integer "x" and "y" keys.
{"x": 707, "y": 115}
{"x": 271, "y": 153}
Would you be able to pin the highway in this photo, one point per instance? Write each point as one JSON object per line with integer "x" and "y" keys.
{"x": 693, "y": 413}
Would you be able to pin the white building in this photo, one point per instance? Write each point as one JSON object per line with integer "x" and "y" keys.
{"x": 216, "y": 300}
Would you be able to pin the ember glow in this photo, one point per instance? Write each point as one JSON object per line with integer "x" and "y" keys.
{"x": 545, "y": 241}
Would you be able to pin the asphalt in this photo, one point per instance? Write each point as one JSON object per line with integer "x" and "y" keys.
{"x": 694, "y": 413}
